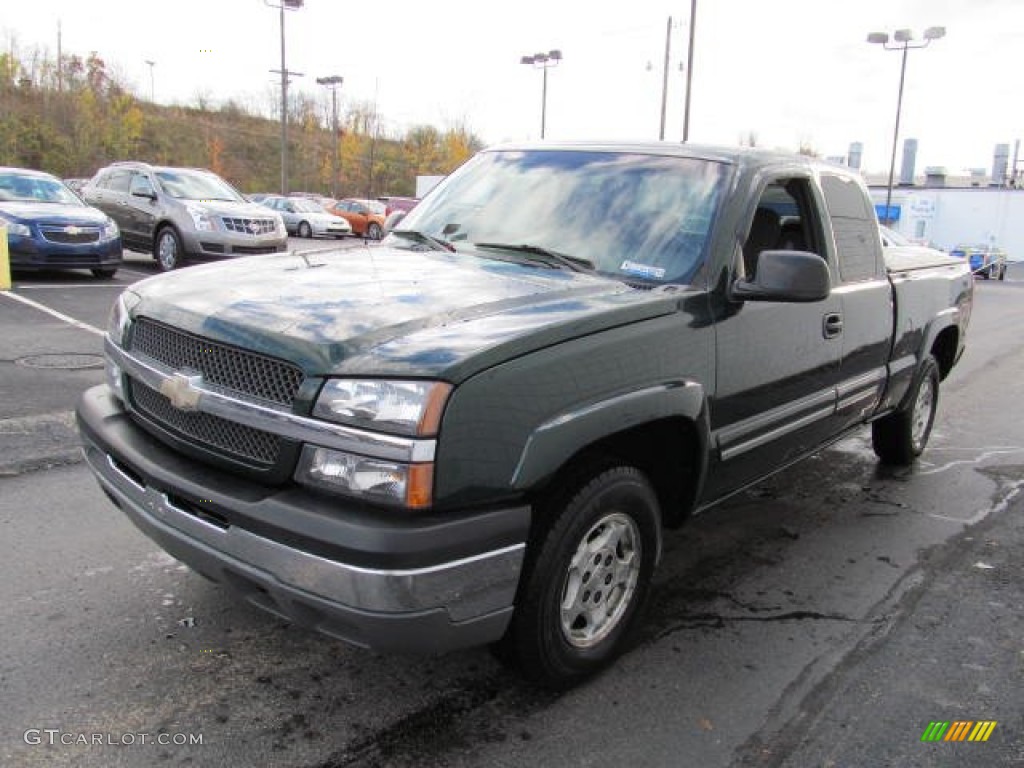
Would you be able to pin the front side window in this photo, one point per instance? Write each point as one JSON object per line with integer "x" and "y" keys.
{"x": 633, "y": 216}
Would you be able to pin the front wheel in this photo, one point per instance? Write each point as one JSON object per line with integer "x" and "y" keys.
{"x": 305, "y": 230}
{"x": 167, "y": 250}
{"x": 373, "y": 231}
{"x": 900, "y": 437}
{"x": 587, "y": 575}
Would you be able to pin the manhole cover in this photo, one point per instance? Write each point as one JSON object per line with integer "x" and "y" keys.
{"x": 64, "y": 361}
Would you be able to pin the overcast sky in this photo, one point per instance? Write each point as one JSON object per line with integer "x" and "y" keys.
{"x": 789, "y": 71}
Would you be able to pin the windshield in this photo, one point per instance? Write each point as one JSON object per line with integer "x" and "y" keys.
{"x": 196, "y": 185}
{"x": 35, "y": 189}
{"x": 633, "y": 216}
{"x": 306, "y": 206}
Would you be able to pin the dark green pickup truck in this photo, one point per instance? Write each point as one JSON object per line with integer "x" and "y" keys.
{"x": 476, "y": 431}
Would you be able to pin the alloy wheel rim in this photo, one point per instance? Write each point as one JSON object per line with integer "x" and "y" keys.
{"x": 922, "y": 412}
{"x": 601, "y": 580}
{"x": 168, "y": 251}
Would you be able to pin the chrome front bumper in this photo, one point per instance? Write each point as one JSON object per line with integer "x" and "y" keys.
{"x": 453, "y": 604}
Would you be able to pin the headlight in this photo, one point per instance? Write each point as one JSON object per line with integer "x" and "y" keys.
{"x": 110, "y": 230}
{"x": 117, "y": 329}
{"x": 396, "y": 407}
{"x": 120, "y": 317}
{"x": 389, "y": 482}
{"x": 202, "y": 220}
{"x": 14, "y": 228}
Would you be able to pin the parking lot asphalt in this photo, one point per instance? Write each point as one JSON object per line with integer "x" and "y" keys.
{"x": 820, "y": 620}
{"x": 51, "y": 345}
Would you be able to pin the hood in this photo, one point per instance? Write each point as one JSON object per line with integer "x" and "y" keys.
{"x": 385, "y": 311}
{"x": 230, "y": 208}
{"x": 53, "y": 213}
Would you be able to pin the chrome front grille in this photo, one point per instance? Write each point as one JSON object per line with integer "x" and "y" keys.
{"x": 237, "y": 370}
{"x": 249, "y": 226}
{"x": 70, "y": 235}
{"x": 237, "y": 440}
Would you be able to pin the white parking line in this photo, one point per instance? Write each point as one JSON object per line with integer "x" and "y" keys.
{"x": 62, "y": 286}
{"x": 55, "y": 313}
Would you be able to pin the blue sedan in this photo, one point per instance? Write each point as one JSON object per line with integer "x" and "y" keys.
{"x": 49, "y": 227}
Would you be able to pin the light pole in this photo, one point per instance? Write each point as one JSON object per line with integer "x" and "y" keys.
{"x": 152, "y": 87}
{"x": 543, "y": 61}
{"x": 902, "y": 41}
{"x": 334, "y": 83}
{"x": 284, "y": 5}
{"x": 689, "y": 70}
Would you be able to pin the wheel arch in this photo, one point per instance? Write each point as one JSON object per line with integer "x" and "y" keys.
{"x": 944, "y": 349}
{"x": 661, "y": 431}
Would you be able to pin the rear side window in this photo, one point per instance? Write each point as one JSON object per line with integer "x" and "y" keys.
{"x": 855, "y": 228}
{"x": 118, "y": 180}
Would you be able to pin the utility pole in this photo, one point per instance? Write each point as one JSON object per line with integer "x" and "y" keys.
{"x": 152, "y": 81}
{"x": 284, "y": 5}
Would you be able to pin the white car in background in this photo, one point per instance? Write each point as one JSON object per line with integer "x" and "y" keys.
{"x": 306, "y": 218}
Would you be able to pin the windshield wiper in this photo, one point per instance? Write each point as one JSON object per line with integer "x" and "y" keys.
{"x": 435, "y": 242}
{"x": 575, "y": 263}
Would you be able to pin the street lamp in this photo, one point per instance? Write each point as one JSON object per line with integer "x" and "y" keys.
{"x": 902, "y": 41}
{"x": 543, "y": 61}
{"x": 334, "y": 83}
{"x": 284, "y": 5}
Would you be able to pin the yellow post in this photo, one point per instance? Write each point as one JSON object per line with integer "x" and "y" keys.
{"x": 5, "y": 261}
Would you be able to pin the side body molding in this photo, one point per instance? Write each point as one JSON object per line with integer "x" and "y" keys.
{"x": 555, "y": 441}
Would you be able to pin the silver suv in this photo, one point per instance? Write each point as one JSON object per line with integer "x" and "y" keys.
{"x": 183, "y": 213}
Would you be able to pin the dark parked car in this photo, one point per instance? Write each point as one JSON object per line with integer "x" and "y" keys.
{"x": 479, "y": 433}
{"x": 49, "y": 227}
{"x": 183, "y": 213}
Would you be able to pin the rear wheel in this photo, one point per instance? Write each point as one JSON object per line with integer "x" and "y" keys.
{"x": 167, "y": 250}
{"x": 305, "y": 230}
{"x": 373, "y": 231}
{"x": 900, "y": 437}
{"x": 587, "y": 575}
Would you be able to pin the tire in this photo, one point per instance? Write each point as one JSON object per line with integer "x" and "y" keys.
{"x": 587, "y": 575}
{"x": 104, "y": 273}
{"x": 1002, "y": 272}
{"x": 305, "y": 230}
{"x": 167, "y": 249}
{"x": 373, "y": 231}
{"x": 901, "y": 437}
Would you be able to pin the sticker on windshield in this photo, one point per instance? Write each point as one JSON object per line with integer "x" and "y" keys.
{"x": 642, "y": 270}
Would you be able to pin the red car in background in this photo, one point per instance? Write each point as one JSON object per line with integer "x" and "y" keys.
{"x": 393, "y": 204}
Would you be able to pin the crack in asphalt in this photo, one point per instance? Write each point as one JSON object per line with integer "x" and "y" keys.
{"x": 717, "y": 621}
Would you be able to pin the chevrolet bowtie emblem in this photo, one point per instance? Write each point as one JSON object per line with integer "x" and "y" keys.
{"x": 182, "y": 390}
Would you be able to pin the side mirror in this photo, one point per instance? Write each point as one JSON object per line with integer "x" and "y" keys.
{"x": 149, "y": 194}
{"x": 392, "y": 221}
{"x": 789, "y": 276}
